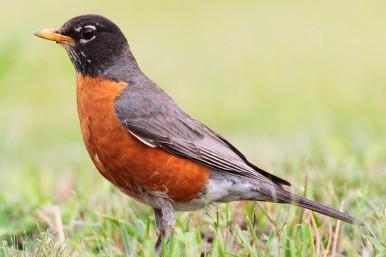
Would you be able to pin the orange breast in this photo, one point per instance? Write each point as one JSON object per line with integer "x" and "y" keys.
{"x": 121, "y": 158}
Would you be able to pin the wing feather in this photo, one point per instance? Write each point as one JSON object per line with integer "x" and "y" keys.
{"x": 153, "y": 117}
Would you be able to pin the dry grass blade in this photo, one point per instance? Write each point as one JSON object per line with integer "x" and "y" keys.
{"x": 51, "y": 215}
{"x": 336, "y": 234}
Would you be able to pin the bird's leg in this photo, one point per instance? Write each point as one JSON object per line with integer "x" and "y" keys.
{"x": 165, "y": 218}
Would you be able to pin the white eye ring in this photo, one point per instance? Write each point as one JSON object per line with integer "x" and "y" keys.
{"x": 90, "y": 27}
{"x": 84, "y": 40}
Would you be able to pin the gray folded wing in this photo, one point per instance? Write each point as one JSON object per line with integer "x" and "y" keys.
{"x": 155, "y": 119}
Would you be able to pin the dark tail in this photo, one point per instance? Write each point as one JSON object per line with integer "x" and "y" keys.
{"x": 284, "y": 196}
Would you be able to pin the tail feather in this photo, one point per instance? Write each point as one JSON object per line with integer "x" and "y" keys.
{"x": 288, "y": 197}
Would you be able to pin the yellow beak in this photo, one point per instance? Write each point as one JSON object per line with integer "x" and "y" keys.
{"x": 53, "y": 35}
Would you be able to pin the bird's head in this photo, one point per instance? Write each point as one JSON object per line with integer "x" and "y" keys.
{"x": 94, "y": 43}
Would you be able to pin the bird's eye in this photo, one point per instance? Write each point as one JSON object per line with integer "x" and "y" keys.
{"x": 88, "y": 33}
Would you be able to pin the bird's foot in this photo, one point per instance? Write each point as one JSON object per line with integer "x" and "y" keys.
{"x": 163, "y": 240}
{"x": 165, "y": 220}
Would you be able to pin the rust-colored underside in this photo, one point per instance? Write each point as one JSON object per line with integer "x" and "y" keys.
{"x": 121, "y": 158}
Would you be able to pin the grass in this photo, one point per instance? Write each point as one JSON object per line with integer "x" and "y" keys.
{"x": 298, "y": 86}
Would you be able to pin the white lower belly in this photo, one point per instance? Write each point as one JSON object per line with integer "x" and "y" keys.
{"x": 223, "y": 188}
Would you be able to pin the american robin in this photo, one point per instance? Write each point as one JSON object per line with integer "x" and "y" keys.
{"x": 145, "y": 144}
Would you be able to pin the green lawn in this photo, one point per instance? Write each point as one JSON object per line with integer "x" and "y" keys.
{"x": 298, "y": 86}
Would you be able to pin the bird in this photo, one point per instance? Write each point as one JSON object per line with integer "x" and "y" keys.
{"x": 142, "y": 142}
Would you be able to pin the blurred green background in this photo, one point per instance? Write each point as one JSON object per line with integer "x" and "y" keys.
{"x": 299, "y": 86}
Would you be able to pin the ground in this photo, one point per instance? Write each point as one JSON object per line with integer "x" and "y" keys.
{"x": 298, "y": 86}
